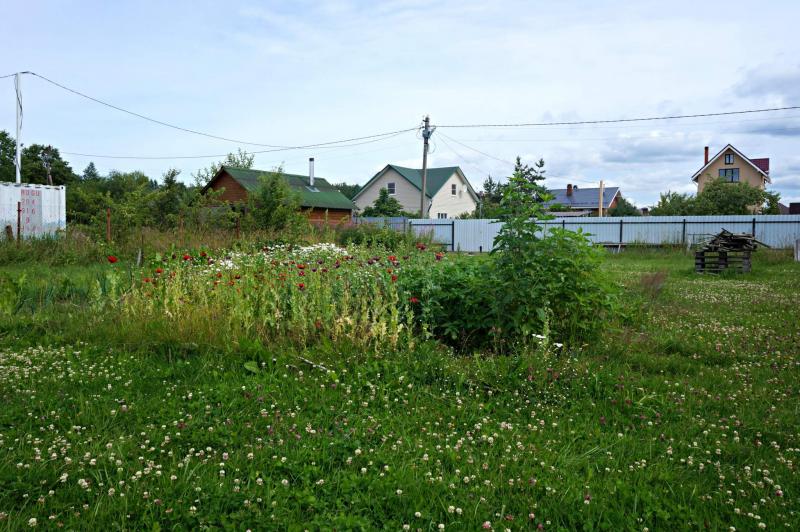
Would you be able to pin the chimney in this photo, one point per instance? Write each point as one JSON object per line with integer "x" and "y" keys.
{"x": 311, "y": 171}
{"x": 705, "y": 163}
{"x": 569, "y": 189}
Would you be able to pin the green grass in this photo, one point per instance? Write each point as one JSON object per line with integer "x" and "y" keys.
{"x": 684, "y": 415}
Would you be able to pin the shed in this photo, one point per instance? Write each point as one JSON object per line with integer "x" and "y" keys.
{"x": 321, "y": 200}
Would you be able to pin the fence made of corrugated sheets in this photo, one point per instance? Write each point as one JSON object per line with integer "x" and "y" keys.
{"x": 777, "y": 231}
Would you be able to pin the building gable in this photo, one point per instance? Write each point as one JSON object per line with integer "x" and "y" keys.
{"x": 759, "y": 165}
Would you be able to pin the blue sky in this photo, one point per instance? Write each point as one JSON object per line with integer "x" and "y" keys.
{"x": 293, "y": 73}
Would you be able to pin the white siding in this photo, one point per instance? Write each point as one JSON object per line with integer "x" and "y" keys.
{"x": 43, "y": 208}
{"x": 445, "y": 202}
{"x": 407, "y": 194}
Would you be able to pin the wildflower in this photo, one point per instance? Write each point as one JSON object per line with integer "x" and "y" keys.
{"x": 159, "y": 271}
{"x": 301, "y": 286}
{"x": 187, "y": 257}
{"x": 203, "y": 254}
{"x": 112, "y": 259}
{"x": 486, "y": 525}
{"x": 146, "y": 279}
{"x": 413, "y": 300}
{"x": 285, "y": 482}
{"x": 32, "y": 522}
{"x": 394, "y": 278}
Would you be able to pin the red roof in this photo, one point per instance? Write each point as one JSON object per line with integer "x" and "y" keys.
{"x": 762, "y": 164}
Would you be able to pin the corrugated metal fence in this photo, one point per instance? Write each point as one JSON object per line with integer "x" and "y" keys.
{"x": 478, "y": 235}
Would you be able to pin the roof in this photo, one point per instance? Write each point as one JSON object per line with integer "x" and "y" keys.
{"x": 326, "y": 195}
{"x": 436, "y": 178}
{"x": 582, "y": 198}
{"x": 761, "y": 165}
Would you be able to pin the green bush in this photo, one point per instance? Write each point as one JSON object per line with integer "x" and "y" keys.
{"x": 376, "y": 236}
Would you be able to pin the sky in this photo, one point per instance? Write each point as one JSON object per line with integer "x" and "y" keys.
{"x": 298, "y": 73}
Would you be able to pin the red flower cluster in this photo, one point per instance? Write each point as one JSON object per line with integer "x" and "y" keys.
{"x": 413, "y": 300}
{"x": 421, "y": 246}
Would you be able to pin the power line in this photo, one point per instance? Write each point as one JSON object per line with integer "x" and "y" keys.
{"x": 201, "y": 133}
{"x": 624, "y": 120}
{"x": 384, "y": 136}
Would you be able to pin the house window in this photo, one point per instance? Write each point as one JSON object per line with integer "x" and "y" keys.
{"x": 728, "y": 158}
{"x": 442, "y": 215}
{"x": 730, "y": 174}
{"x": 453, "y": 189}
{"x": 390, "y": 188}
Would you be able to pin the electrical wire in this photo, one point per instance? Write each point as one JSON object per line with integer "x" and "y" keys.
{"x": 385, "y": 136}
{"x": 625, "y": 120}
{"x": 201, "y": 133}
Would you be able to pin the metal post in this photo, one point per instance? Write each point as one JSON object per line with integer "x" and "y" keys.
{"x": 19, "y": 222}
{"x": 453, "y": 235}
{"x": 754, "y": 228}
{"x": 620, "y": 230}
{"x": 683, "y": 238}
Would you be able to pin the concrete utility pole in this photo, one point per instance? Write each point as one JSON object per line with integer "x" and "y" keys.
{"x": 427, "y": 131}
{"x": 18, "y": 156}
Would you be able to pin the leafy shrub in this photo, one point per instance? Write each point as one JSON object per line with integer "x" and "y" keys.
{"x": 371, "y": 235}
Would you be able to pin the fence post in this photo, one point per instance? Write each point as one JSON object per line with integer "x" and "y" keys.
{"x": 563, "y": 224}
{"x": 453, "y": 235}
{"x": 108, "y": 225}
{"x": 19, "y": 222}
{"x": 683, "y": 238}
{"x": 238, "y": 225}
{"x": 754, "y": 227}
{"x": 620, "y": 230}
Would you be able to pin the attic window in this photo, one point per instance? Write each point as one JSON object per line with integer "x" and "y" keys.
{"x": 728, "y": 158}
{"x": 391, "y": 188}
{"x": 312, "y": 189}
{"x": 453, "y": 189}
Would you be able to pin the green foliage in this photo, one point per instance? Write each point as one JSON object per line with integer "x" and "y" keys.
{"x": 718, "y": 197}
{"x": 384, "y": 205}
{"x": 348, "y": 190}
{"x": 34, "y": 171}
{"x": 722, "y": 197}
{"x": 673, "y": 204}
{"x": 275, "y": 207}
{"x": 240, "y": 159}
{"x": 624, "y": 208}
{"x": 377, "y": 236}
{"x": 8, "y": 149}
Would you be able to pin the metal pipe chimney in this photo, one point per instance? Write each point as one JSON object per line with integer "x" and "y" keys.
{"x": 311, "y": 171}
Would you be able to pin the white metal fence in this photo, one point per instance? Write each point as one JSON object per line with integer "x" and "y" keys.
{"x": 478, "y": 235}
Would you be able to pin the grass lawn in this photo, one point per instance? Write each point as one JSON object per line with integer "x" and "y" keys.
{"x": 684, "y": 415}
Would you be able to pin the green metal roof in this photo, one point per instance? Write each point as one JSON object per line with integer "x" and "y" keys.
{"x": 326, "y": 195}
{"x": 437, "y": 177}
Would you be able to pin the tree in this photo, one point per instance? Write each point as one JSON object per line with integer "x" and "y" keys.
{"x": 348, "y": 190}
{"x": 8, "y": 149}
{"x": 384, "y": 205}
{"x": 772, "y": 205}
{"x": 90, "y": 173}
{"x": 34, "y": 171}
{"x": 240, "y": 159}
{"x": 520, "y": 209}
{"x": 275, "y": 205}
{"x": 624, "y": 208}
{"x": 673, "y": 204}
{"x": 490, "y": 195}
{"x": 722, "y": 197}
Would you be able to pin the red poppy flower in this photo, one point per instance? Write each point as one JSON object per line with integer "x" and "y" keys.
{"x": 112, "y": 259}
{"x": 237, "y": 276}
{"x": 301, "y": 286}
{"x": 301, "y": 266}
{"x": 219, "y": 275}
{"x": 413, "y": 300}
{"x": 159, "y": 270}
{"x": 146, "y": 279}
{"x": 203, "y": 254}
{"x": 388, "y": 270}
{"x": 187, "y": 257}
{"x": 394, "y": 278}
{"x": 392, "y": 258}
{"x": 318, "y": 324}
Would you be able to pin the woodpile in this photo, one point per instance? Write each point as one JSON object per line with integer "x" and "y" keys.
{"x": 725, "y": 251}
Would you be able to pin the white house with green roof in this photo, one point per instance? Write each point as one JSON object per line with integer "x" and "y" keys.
{"x": 447, "y": 190}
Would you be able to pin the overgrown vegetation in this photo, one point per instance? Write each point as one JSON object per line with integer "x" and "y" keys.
{"x": 718, "y": 197}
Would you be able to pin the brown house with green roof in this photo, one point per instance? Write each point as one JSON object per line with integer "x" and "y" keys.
{"x": 318, "y": 198}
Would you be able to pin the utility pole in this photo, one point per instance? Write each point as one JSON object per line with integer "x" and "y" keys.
{"x": 47, "y": 160}
{"x": 18, "y": 156}
{"x": 427, "y": 131}
{"x": 600, "y": 203}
